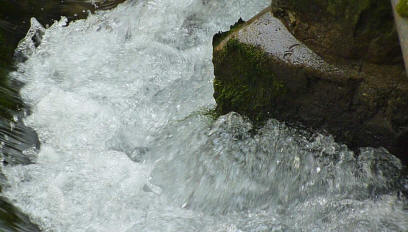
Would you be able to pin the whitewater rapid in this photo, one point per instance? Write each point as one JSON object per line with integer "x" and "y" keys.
{"x": 119, "y": 102}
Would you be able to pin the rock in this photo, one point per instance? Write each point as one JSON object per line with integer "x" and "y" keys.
{"x": 263, "y": 71}
{"x": 402, "y": 28}
{"x": 359, "y": 30}
{"x": 402, "y": 8}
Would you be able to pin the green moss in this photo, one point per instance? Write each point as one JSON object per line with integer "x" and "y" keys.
{"x": 208, "y": 112}
{"x": 244, "y": 81}
{"x": 220, "y": 36}
{"x": 402, "y": 8}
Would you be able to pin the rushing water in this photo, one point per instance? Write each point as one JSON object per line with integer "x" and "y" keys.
{"x": 118, "y": 103}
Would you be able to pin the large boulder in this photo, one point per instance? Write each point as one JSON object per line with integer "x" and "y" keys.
{"x": 402, "y": 8}
{"x": 401, "y": 23}
{"x": 360, "y": 30}
{"x": 263, "y": 71}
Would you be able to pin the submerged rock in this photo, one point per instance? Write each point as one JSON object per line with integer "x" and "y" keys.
{"x": 263, "y": 71}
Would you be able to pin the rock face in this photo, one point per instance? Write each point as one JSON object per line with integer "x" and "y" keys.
{"x": 402, "y": 28}
{"x": 402, "y": 8}
{"x": 360, "y": 30}
{"x": 263, "y": 71}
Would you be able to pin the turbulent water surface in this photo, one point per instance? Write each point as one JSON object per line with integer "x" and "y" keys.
{"x": 118, "y": 103}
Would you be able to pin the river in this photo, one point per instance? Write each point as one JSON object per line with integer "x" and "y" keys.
{"x": 120, "y": 102}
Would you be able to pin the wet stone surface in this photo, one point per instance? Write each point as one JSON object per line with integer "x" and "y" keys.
{"x": 361, "y": 104}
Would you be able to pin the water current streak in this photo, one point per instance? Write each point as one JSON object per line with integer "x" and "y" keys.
{"x": 117, "y": 101}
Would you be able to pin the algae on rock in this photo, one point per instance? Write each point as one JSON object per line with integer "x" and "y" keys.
{"x": 248, "y": 82}
{"x": 402, "y": 8}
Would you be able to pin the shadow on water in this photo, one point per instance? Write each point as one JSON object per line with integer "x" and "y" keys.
{"x": 15, "y": 137}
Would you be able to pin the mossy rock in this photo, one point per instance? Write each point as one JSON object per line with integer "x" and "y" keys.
{"x": 249, "y": 83}
{"x": 402, "y": 8}
{"x": 362, "y": 30}
{"x": 220, "y": 36}
{"x": 262, "y": 71}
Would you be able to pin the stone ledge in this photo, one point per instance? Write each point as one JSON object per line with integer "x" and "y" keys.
{"x": 262, "y": 71}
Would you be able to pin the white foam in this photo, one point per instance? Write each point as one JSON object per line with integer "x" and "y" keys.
{"x": 128, "y": 85}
